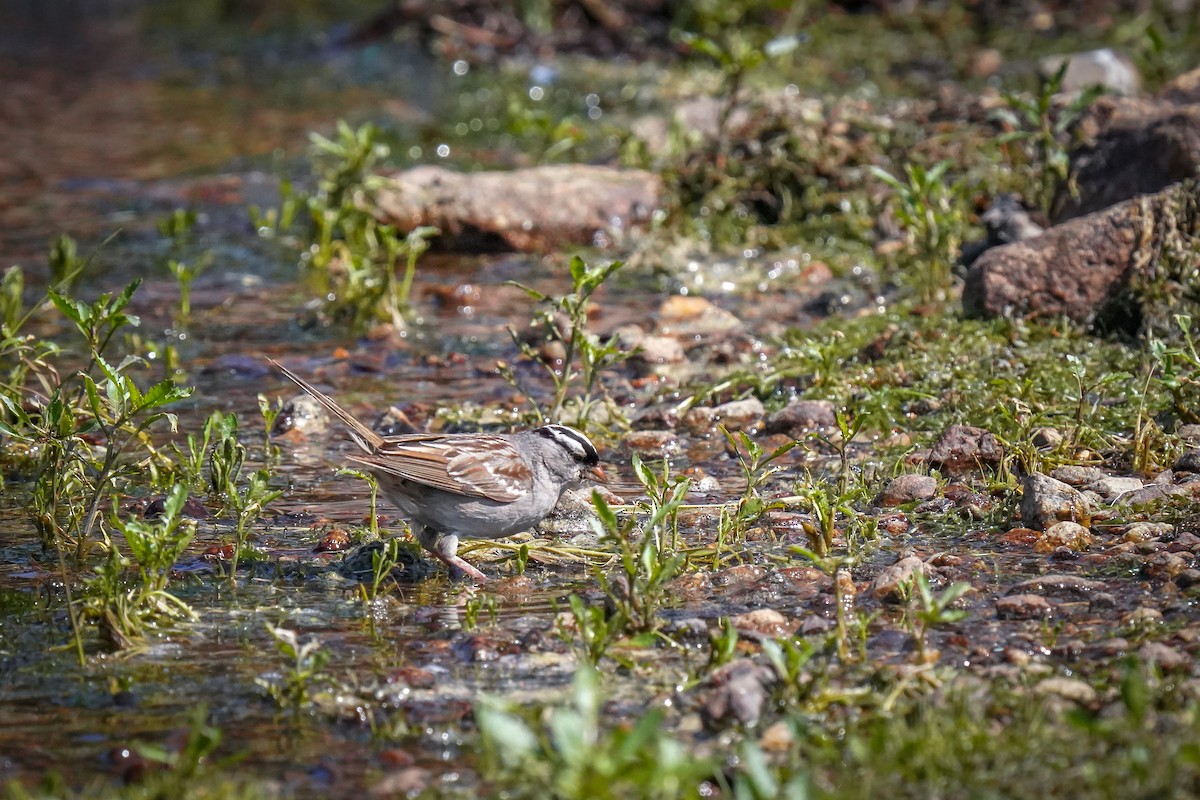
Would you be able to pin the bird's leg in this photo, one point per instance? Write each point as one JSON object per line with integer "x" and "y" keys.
{"x": 445, "y": 546}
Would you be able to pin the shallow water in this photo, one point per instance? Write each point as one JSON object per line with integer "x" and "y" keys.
{"x": 405, "y": 670}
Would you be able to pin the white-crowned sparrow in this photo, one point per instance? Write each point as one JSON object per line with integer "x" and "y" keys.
{"x": 478, "y": 486}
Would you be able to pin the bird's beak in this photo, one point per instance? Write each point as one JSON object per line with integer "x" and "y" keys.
{"x": 598, "y": 474}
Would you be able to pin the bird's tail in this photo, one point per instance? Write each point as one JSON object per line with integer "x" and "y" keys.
{"x": 364, "y": 437}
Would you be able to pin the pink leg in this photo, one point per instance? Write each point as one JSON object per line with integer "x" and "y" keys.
{"x": 445, "y": 547}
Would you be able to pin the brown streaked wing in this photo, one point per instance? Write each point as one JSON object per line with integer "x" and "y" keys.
{"x": 481, "y": 466}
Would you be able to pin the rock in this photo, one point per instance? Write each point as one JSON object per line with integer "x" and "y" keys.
{"x": 1147, "y": 531}
{"x": 765, "y": 622}
{"x": 1046, "y": 438}
{"x": 304, "y": 414}
{"x": 1068, "y": 586}
{"x": 1107, "y": 68}
{"x": 1046, "y": 500}
{"x": 777, "y": 738}
{"x": 526, "y": 209}
{"x": 1070, "y": 535}
{"x": 1190, "y": 435}
{"x": 1182, "y": 89}
{"x": 890, "y": 584}
{"x": 1072, "y": 689}
{"x": 1077, "y": 475}
{"x": 1188, "y": 578}
{"x": 800, "y": 417}
{"x": 1188, "y": 462}
{"x": 407, "y": 782}
{"x": 1135, "y": 147}
{"x": 1112, "y": 488}
{"x": 1165, "y": 565}
{"x": 655, "y": 443}
{"x": 1142, "y": 616}
{"x": 962, "y": 449}
{"x": 1151, "y": 494}
{"x": 335, "y": 541}
{"x": 1129, "y": 268}
{"x": 1165, "y": 657}
{"x": 736, "y": 692}
{"x": 688, "y": 316}
{"x": 656, "y": 349}
{"x": 740, "y": 415}
{"x": 907, "y": 489}
{"x": 1024, "y": 606}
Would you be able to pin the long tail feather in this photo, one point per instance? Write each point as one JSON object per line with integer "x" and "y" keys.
{"x": 364, "y": 437}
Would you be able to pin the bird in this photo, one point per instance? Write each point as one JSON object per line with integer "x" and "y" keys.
{"x": 468, "y": 485}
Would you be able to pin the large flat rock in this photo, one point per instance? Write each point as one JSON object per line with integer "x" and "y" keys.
{"x": 525, "y": 210}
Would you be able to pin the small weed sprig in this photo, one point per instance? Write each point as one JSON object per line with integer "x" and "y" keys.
{"x": 572, "y": 757}
{"x": 383, "y": 561}
{"x": 304, "y": 667}
{"x": 244, "y": 501}
{"x": 373, "y": 485}
{"x": 1087, "y": 397}
{"x": 646, "y": 562}
{"x": 1179, "y": 369}
{"x": 269, "y": 413}
{"x": 757, "y": 468}
{"x": 351, "y": 253}
{"x": 155, "y": 546}
{"x": 564, "y": 320}
{"x": 1034, "y": 144}
{"x": 927, "y": 610}
{"x": 932, "y": 211}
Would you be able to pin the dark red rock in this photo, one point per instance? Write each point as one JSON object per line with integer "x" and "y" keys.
{"x": 335, "y": 541}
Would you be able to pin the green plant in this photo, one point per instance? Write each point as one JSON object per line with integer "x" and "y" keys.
{"x": 564, "y": 322}
{"x": 179, "y": 226}
{"x": 477, "y": 605}
{"x": 1034, "y": 144}
{"x": 723, "y": 644}
{"x": 932, "y": 211}
{"x": 1087, "y": 397}
{"x": 184, "y": 275}
{"x": 736, "y": 55}
{"x": 646, "y": 557}
{"x": 554, "y": 137}
{"x": 383, "y": 560}
{"x": 823, "y": 505}
{"x": 155, "y": 545}
{"x": 65, "y": 264}
{"x": 928, "y": 610}
{"x": 757, "y": 468}
{"x": 1178, "y": 368}
{"x": 571, "y": 755}
{"x": 373, "y": 485}
{"x": 269, "y": 413}
{"x": 244, "y": 501}
{"x": 247, "y": 504}
{"x": 304, "y": 667}
{"x": 350, "y": 252}
{"x": 90, "y": 433}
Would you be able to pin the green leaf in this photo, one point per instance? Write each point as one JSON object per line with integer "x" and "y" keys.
{"x": 507, "y": 733}
{"x": 74, "y": 310}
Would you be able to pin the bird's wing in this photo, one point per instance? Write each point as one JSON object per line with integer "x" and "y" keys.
{"x": 479, "y": 466}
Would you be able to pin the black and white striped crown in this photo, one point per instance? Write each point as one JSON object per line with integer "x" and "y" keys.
{"x": 574, "y": 442}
